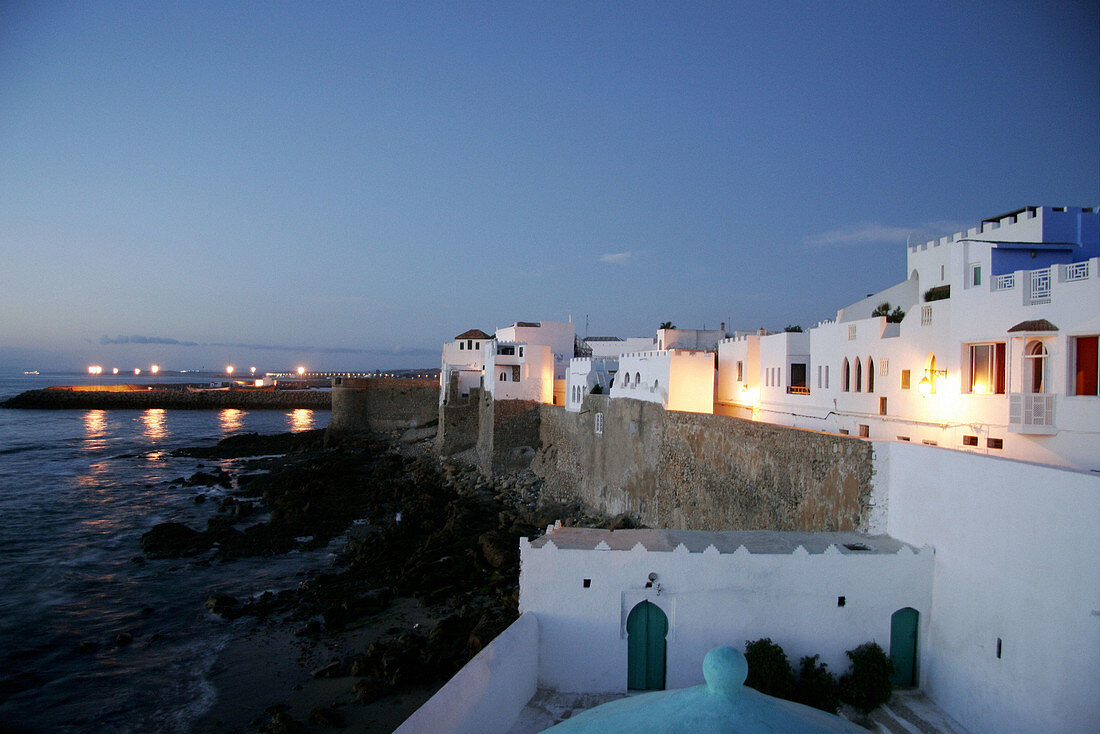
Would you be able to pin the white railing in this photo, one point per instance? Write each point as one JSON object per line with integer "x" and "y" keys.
{"x": 1076, "y": 271}
{"x": 1031, "y": 413}
{"x": 1003, "y": 282}
{"x": 1039, "y": 287}
{"x": 925, "y": 315}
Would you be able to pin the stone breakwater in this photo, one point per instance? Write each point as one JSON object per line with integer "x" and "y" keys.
{"x": 142, "y": 398}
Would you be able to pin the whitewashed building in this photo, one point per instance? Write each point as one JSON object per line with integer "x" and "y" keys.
{"x": 464, "y": 360}
{"x": 996, "y": 353}
{"x": 677, "y": 379}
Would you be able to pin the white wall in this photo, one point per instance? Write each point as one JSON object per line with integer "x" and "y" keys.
{"x": 490, "y": 691}
{"x": 1017, "y": 558}
{"x": 711, "y": 599}
{"x": 536, "y": 372}
{"x": 676, "y": 379}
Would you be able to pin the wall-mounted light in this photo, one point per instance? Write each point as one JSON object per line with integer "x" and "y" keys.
{"x": 927, "y": 383}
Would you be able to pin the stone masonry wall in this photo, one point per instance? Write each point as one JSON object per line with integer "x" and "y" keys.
{"x": 459, "y": 422}
{"x": 508, "y": 434}
{"x": 704, "y": 472}
{"x": 383, "y": 404}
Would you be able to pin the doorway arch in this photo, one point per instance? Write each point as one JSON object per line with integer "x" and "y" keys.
{"x": 646, "y": 629}
{"x": 903, "y": 646}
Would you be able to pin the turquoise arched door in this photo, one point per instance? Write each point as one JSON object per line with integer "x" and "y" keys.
{"x": 903, "y": 646}
{"x": 646, "y": 628}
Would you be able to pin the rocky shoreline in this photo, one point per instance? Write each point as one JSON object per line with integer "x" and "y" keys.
{"x": 144, "y": 397}
{"x": 428, "y": 575}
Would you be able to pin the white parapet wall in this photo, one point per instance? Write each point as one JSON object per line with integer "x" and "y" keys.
{"x": 1015, "y": 637}
{"x": 487, "y": 695}
{"x": 812, "y": 593}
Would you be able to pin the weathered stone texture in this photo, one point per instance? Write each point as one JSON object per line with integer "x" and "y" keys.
{"x": 383, "y": 404}
{"x": 705, "y": 472}
{"x": 458, "y": 422}
{"x": 508, "y": 434}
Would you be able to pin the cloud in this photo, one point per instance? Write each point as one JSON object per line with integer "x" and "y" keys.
{"x": 135, "y": 339}
{"x": 372, "y": 352}
{"x": 617, "y": 258}
{"x": 867, "y": 233}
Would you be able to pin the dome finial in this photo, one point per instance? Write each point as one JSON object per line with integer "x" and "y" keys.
{"x": 725, "y": 670}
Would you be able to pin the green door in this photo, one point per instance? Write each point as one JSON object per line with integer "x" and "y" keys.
{"x": 646, "y": 628}
{"x": 903, "y": 646}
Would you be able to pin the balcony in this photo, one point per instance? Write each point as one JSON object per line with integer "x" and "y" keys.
{"x": 798, "y": 390}
{"x": 1031, "y": 413}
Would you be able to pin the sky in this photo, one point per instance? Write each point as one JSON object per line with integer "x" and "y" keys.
{"x": 347, "y": 186}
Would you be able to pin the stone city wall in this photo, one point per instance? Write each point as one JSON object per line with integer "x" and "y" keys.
{"x": 704, "y": 472}
{"x": 382, "y": 404}
{"x": 508, "y": 434}
{"x": 459, "y": 420}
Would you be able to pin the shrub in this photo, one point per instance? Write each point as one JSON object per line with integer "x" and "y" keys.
{"x": 816, "y": 686}
{"x": 793, "y": 327}
{"x": 769, "y": 670}
{"x": 893, "y": 317}
{"x": 867, "y": 685}
{"x": 938, "y": 293}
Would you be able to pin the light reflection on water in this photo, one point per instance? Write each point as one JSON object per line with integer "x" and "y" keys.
{"x": 95, "y": 429}
{"x": 300, "y": 419}
{"x": 230, "y": 420}
{"x": 155, "y": 424}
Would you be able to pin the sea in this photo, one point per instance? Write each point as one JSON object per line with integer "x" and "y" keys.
{"x": 77, "y": 490}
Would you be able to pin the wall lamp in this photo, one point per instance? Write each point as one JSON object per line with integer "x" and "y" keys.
{"x": 928, "y": 382}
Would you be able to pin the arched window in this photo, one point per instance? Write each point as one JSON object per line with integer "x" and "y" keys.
{"x": 503, "y": 376}
{"x": 857, "y": 381}
{"x": 637, "y": 379}
{"x": 845, "y": 375}
{"x": 656, "y": 384}
{"x": 1035, "y": 367}
{"x": 626, "y": 380}
{"x": 870, "y": 375}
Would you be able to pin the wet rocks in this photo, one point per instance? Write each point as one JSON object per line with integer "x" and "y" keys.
{"x": 224, "y": 606}
{"x": 171, "y": 540}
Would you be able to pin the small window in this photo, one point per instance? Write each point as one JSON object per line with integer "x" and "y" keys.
{"x": 656, "y": 384}
{"x": 998, "y": 648}
{"x": 740, "y": 371}
{"x": 884, "y": 367}
{"x": 995, "y": 443}
{"x": 587, "y": 583}
{"x": 870, "y": 375}
{"x": 851, "y": 332}
{"x": 857, "y": 546}
{"x": 845, "y": 373}
{"x": 503, "y": 376}
{"x": 515, "y": 373}
{"x": 975, "y": 274}
{"x": 826, "y": 377}
{"x": 469, "y": 343}
{"x": 857, "y": 381}
{"x": 986, "y": 367}
{"x": 882, "y": 406}
{"x": 461, "y": 346}
{"x": 930, "y": 443}
{"x": 903, "y": 438}
{"x": 477, "y": 345}
{"x": 941, "y": 274}
{"x": 844, "y": 432}
{"x": 905, "y": 379}
{"x": 521, "y": 351}
{"x": 864, "y": 431}
{"x": 841, "y": 601}
{"x": 970, "y": 440}
{"x": 637, "y": 379}
{"x": 599, "y": 423}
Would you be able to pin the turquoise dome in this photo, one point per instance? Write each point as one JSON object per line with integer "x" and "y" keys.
{"x": 724, "y": 705}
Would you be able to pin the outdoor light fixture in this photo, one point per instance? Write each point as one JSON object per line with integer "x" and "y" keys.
{"x": 924, "y": 387}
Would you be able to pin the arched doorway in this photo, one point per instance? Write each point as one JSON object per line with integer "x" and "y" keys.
{"x": 646, "y": 628}
{"x": 903, "y": 646}
{"x": 1035, "y": 367}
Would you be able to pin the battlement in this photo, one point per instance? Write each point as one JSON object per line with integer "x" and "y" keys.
{"x": 1001, "y": 221}
{"x": 734, "y": 542}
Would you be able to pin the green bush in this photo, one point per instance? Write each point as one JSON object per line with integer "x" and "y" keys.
{"x": 939, "y": 293}
{"x": 769, "y": 670}
{"x": 868, "y": 684}
{"x": 816, "y": 686}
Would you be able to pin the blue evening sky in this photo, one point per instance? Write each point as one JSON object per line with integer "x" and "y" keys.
{"x": 350, "y": 185}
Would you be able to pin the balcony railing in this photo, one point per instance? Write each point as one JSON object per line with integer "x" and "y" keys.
{"x": 1031, "y": 413}
{"x": 797, "y": 390}
{"x": 1039, "y": 287}
{"x": 1076, "y": 271}
{"x": 1003, "y": 282}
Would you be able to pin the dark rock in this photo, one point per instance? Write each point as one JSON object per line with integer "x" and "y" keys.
{"x": 206, "y": 479}
{"x": 137, "y": 560}
{"x": 122, "y": 639}
{"x": 369, "y": 690}
{"x": 284, "y": 723}
{"x": 311, "y": 628}
{"x": 276, "y": 708}
{"x": 243, "y": 509}
{"x": 199, "y": 499}
{"x": 223, "y": 605}
{"x": 335, "y": 669}
{"x": 171, "y": 540}
{"x": 87, "y": 647}
{"x": 330, "y": 717}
